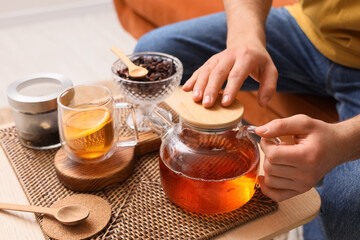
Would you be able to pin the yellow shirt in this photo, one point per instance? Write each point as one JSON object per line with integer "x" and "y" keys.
{"x": 333, "y": 26}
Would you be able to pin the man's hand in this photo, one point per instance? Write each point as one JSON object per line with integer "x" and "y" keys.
{"x": 245, "y": 55}
{"x": 319, "y": 147}
{"x": 234, "y": 65}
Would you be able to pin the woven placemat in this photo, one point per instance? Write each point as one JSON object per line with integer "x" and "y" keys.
{"x": 140, "y": 210}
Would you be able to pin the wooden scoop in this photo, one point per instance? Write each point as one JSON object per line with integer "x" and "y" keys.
{"x": 67, "y": 215}
{"x": 134, "y": 70}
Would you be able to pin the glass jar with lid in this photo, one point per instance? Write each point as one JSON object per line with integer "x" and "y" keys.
{"x": 33, "y": 100}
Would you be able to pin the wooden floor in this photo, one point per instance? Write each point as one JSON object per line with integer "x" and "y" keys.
{"x": 70, "y": 37}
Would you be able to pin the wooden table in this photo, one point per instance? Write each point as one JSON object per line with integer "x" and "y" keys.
{"x": 292, "y": 213}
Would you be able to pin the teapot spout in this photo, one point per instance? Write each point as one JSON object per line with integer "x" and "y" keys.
{"x": 157, "y": 122}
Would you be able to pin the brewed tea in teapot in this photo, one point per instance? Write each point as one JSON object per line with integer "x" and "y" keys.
{"x": 208, "y": 161}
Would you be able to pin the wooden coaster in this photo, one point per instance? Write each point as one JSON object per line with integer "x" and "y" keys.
{"x": 94, "y": 176}
{"x": 100, "y": 214}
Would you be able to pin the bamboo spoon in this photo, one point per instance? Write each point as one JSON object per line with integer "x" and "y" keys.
{"x": 67, "y": 215}
{"x": 134, "y": 70}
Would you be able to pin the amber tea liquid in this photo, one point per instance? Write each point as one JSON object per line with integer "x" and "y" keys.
{"x": 89, "y": 134}
{"x": 220, "y": 179}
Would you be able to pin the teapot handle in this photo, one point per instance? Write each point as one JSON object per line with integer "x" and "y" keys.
{"x": 157, "y": 122}
{"x": 251, "y": 129}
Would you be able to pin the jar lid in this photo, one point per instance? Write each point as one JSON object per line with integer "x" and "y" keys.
{"x": 216, "y": 117}
{"x": 37, "y": 93}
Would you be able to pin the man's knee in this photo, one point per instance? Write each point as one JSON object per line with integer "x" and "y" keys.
{"x": 158, "y": 40}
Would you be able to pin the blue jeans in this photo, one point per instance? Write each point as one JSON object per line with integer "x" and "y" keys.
{"x": 302, "y": 69}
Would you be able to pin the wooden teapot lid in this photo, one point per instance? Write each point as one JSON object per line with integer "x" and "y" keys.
{"x": 216, "y": 117}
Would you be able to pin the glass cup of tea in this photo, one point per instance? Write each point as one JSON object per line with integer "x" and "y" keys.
{"x": 89, "y": 123}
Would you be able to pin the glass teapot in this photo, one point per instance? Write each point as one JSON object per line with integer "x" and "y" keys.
{"x": 208, "y": 161}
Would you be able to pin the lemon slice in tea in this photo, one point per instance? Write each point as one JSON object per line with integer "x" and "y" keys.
{"x": 84, "y": 123}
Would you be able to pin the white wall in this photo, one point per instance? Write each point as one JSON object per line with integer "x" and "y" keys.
{"x": 72, "y": 37}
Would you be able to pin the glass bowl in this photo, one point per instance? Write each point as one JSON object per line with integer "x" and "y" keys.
{"x": 146, "y": 94}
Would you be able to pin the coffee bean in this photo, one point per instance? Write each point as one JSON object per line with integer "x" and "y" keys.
{"x": 158, "y": 69}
